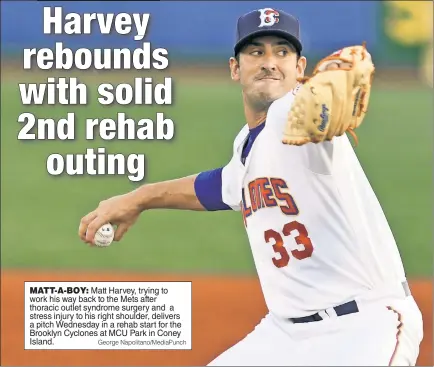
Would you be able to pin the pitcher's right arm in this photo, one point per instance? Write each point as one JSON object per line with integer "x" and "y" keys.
{"x": 199, "y": 192}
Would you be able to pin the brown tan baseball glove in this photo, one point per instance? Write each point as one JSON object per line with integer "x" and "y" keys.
{"x": 333, "y": 100}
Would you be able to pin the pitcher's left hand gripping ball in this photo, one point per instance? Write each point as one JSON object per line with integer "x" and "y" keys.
{"x": 334, "y": 100}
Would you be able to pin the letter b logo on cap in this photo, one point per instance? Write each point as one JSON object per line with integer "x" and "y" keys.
{"x": 268, "y": 17}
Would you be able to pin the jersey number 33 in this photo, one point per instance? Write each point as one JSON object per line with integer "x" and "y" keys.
{"x": 274, "y": 237}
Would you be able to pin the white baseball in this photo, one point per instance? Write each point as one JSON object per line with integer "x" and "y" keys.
{"x": 104, "y": 236}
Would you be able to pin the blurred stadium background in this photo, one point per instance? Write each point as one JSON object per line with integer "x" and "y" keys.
{"x": 40, "y": 214}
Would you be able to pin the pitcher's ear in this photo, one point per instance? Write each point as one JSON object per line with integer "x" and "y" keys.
{"x": 301, "y": 66}
{"x": 235, "y": 69}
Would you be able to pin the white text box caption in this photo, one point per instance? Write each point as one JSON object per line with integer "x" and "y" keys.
{"x": 108, "y": 315}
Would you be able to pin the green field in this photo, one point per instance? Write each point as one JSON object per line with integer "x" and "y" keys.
{"x": 40, "y": 214}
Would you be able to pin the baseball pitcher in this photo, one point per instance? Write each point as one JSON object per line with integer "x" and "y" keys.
{"x": 327, "y": 261}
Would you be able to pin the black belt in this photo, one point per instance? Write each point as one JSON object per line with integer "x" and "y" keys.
{"x": 341, "y": 310}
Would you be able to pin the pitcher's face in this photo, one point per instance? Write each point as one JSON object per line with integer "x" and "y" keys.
{"x": 267, "y": 68}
